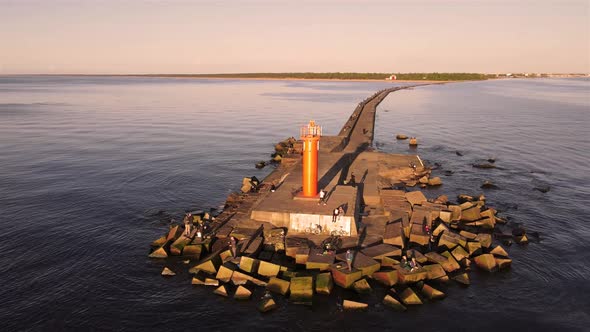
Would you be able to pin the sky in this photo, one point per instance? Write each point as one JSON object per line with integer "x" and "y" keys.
{"x": 184, "y": 37}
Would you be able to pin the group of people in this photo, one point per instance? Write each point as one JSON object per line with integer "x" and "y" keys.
{"x": 201, "y": 227}
{"x": 411, "y": 265}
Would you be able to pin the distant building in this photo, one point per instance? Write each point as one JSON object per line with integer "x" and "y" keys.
{"x": 392, "y": 78}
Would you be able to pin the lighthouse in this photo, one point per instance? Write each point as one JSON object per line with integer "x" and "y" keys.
{"x": 310, "y": 135}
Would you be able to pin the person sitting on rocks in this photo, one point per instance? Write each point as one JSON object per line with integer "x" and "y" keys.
{"x": 322, "y": 197}
{"x": 335, "y": 214}
{"x": 414, "y": 265}
{"x": 352, "y": 181}
{"x": 273, "y": 188}
{"x": 404, "y": 263}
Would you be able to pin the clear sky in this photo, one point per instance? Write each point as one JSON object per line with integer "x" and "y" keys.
{"x": 125, "y": 36}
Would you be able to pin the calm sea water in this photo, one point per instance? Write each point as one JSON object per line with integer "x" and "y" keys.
{"x": 93, "y": 168}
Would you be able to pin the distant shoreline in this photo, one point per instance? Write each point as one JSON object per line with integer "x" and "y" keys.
{"x": 287, "y": 79}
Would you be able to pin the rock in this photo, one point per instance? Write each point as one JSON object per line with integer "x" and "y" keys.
{"x": 388, "y": 278}
{"x": 221, "y": 290}
{"x": 323, "y": 283}
{"x": 484, "y": 165}
{"x": 485, "y": 239}
{"x": 458, "y": 153}
{"x": 362, "y": 286}
{"x": 434, "y": 271}
{"x": 210, "y": 264}
{"x": 522, "y": 240}
{"x": 468, "y": 235}
{"x": 503, "y": 263}
{"x": 406, "y": 277}
{"x": 462, "y": 198}
{"x": 352, "y": 305}
{"x": 413, "y": 141}
{"x": 471, "y": 213}
{"x": 393, "y": 303}
{"x": 317, "y": 260}
{"x": 420, "y": 258}
{"x": 486, "y": 262}
{"x": 542, "y": 189}
{"x": 449, "y": 265}
{"x": 435, "y": 181}
{"x": 488, "y": 185}
{"x": 423, "y": 180}
{"x": 462, "y": 278}
{"x": 459, "y": 253}
{"x": 343, "y": 277}
{"x": 302, "y": 255}
{"x": 450, "y": 240}
{"x": 401, "y": 136}
{"x": 224, "y": 273}
{"x": 499, "y": 251}
{"x": 242, "y": 293}
{"x": 160, "y": 241}
{"x": 474, "y": 248}
{"x": 192, "y": 251}
{"x": 455, "y": 212}
{"x": 382, "y": 250}
{"x": 431, "y": 293}
{"x": 279, "y": 286}
{"x": 267, "y": 269}
{"x": 442, "y": 199}
{"x": 440, "y": 229}
{"x": 159, "y": 252}
{"x": 260, "y": 164}
{"x": 408, "y": 297}
{"x": 267, "y": 304}
{"x": 389, "y": 262}
{"x": 167, "y": 272}
{"x": 415, "y": 197}
{"x": 248, "y": 264}
{"x": 302, "y": 290}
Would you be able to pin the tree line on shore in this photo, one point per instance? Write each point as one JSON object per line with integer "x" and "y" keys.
{"x": 349, "y": 76}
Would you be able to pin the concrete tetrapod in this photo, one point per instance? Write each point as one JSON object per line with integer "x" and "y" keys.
{"x": 302, "y": 290}
{"x": 267, "y": 304}
{"x": 279, "y": 286}
{"x": 352, "y": 305}
{"x": 323, "y": 283}
{"x": 362, "y": 286}
{"x": 408, "y": 297}
{"x": 431, "y": 293}
{"x": 221, "y": 290}
{"x": 167, "y": 272}
{"x": 393, "y": 303}
{"x": 486, "y": 262}
{"x": 242, "y": 293}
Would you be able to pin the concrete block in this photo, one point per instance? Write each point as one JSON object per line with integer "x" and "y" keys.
{"x": 431, "y": 293}
{"x": 344, "y": 278}
{"x": 221, "y": 290}
{"x": 317, "y": 260}
{"x": 486, "y": 262}
{"x": 224, "y": 273}
{"x": 242, "y": 293}
{"x": 499, "y": 251}
{"x": 279, "y": 286}
{"x": 167, "y": 272}
{"x": 267, "y": 269}
{"x": 301, "y": 290}
{"x": 393, "y": 303}
{"x": 387, "y": 278}
{"x": 323, "y": 283}
{"x": 380, "y": 251}
{"x": 362, "y": 286}
{"x": 267, "y": 304}
{"x": 462, "y": 278}
{"x": 352, "y": 305}
{"x": 408, "y": 297}
{"x": 248, "y": 264}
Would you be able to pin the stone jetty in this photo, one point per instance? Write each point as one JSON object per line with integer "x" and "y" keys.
{"x": 401, "y": 241}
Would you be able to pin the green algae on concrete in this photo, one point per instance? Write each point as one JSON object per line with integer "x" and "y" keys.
{"x": 301, "y": 290}
{"x": 279, "y": 286}
{"x": 267, "y": 269}
{"x": 324, "y": 283}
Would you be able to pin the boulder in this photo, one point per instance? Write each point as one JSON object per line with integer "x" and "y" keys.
{"x": 434, "y": 271}
{"x": 160, "y": 241}
{"x": 455, "y": 212}
{"x": 209, "y": 264}
{"x": 440, "y": 229}
{"x": 302, "y": 290}
{"x": 393, "y": 303}
{"x": 248, "y": 264}
{"x": 317, "y": 260}
{"x": 221, "y": 290}
{"x": 362, "y": 286}
{"x": 503, "y": 263}
{"x": 435, "y": 181}
{"x": 279, "y": 286}
{"x": 423, "y": 180}
{"x": 468, "y": 235}
{"x": 167, "y": 272}
{"x": 242, "y": 293}
{"x": 323, "y": 283}
{"x": 462, "y": 278}
{"x": 471, "y": 213}
{"x": 408, "y": 297}
{"x": 420, "y": 258}
{"x": 459, "y": 253}
{"x": 224, "y": 273}
{"x": 394, "y": 234}
{"x": 267, "y": 269}
{"x": 179, "y": 244}
{"x": 486, "y": 262}
{"x": 449, "y": 265}
{"x": 192, "y": 251}
{"x": 406, "y": 277}
{"x": 160, "y": 252}
{"x": 401, "y": 136}
{"x": 431, "y": 293}
{"x": 389, "y": 262}
{"x": 388, "y": 278}
{"x": 343, "y": 277}
{"x": 415, "y": 197}
{"x": 267, "y": 304}
{"x": 382, "y": 250}
{"x": 499, "y": 251}
{"x": 474, "y": 248}
{"x": 485, "y": 239}
{"x": 352, "y": 305}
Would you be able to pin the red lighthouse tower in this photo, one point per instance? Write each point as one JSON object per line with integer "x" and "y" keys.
{"x": 310, "y": 135}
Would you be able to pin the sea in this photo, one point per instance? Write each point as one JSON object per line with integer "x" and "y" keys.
{"x": 94, "y": 168}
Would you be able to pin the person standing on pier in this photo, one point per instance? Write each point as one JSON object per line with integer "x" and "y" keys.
{"x": 187, "y": 224}
{"x": 349, "y": 257}
{"x": 335, "y": 214}
{"x": 232, "y": 246}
